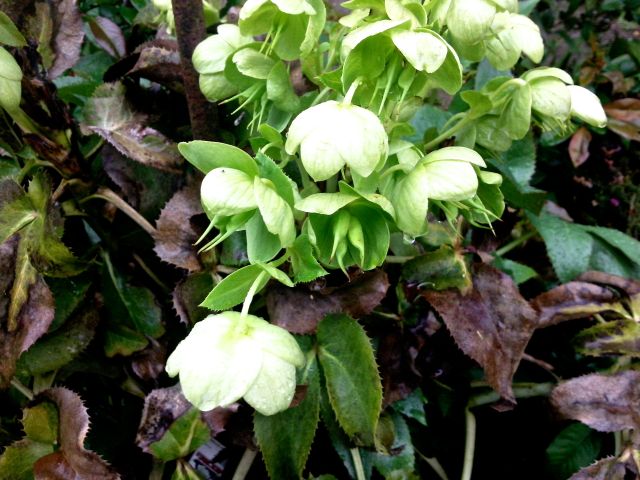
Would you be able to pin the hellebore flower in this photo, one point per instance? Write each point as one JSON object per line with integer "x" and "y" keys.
{"x": 446, "y": 174}
{"x": 332, "y": 134}
{"x": 231, "y": 356}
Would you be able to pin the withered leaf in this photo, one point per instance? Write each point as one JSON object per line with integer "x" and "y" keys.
{"x": 72, "y": 460}
{"x": 57, "y": 27}
{"x": 108, "y": 114}
{"x": 108, "y": 35}
{"x": 163, "y": 406}
{"x": 574, "y": 300}
{"x": 175, "y": 235}
{"x": 619, "y": 337}
{"x": 607, "y": 403}
{"x": 610, "y": 468}
{"x": 624, "y": 117}
{"x": 158, "y": 61}
{"x": 149, "y": 363}
{"x": 628, "y": 286}
{"x": 26, "y": 306}
{"x": 299, "y": 310}
{"x": 579, "y": 146}
{"x": 492, "y": 323}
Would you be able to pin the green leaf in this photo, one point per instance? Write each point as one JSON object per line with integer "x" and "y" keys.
{"x": 233, "y": 289}
{"x": 185, "y": 471}
{"x": 412, "y": 406}
{"x": 400, "y": 464}
{"x": 10, "y": 82}
{"x": 351, "y": 373}
{"x": 619, "y": 337}
{"x": 575, "y": 447}
{"x": 279, "y": 89}
{"x": 285, "y": 438}
{"x": 262, "y": 245}
{"x": 277, "y": 274}
{"x": 303, "y": 263}
{"x": 441, "y": 269}
{"x": 68, "y": 294}
{"x": 276, "y": 213}
{"x": 9, "y": 34}
{"x": 367, "y": 60}
{"x": 206, "y": 156}
{"x": 40, "y": 423}
{"x": 568, "y": 245}
{"x": 60, "y": 347}
{"x": 185, "y": 435}
{"x": 325, "y": 203}
{"x": 130, "y": 305}
{"x": 518, "y": 271}
{"x": 283, "y": 184}
{"x": 121, "y": 340}
{"x": 16, "y": 462}
{"x": 629, "y": 246}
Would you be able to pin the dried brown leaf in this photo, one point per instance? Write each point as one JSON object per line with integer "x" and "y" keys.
{"x": 624, "y": 117}
{"x": 109, "y": 115}
{"x": 175, "y": 235}
{"x": 579, "y": 146}
{"x": 26, "y": 306}
{"x": 607, "y": 403}
{"x": 158, "y": 61}
{"x": 68, "y": 35}
{"x": 108, "y": 35}
{"x": 72, "y": 460}
{"x": 606, "y": 469}
{"x": 492, "y": 324}
{"x": 300, "y": 310}
{"x": 149, "y": 363}
{"x": 629, "y": 286}
{"x": 574, "y": 300}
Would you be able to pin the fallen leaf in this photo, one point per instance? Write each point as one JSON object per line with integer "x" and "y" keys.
{"x": 574, "y": 300}
{"x": 607, "y": 403}
{"x": 624, "y": 117}
{"x": 148, "y": 364}
{"x": 579, "y": 146}
{"x": 26, "y": 306}
{"x": 175, "y": 234}
{"x": 628, "y": 286}
{"x": 108, "y": 114}
{"x": 159, "y": 61}
{"x": 72, "y": 460}
{"x": 108, "y": 35}
{"x": 492, "y": 323}
{"x": 299, "y": 310}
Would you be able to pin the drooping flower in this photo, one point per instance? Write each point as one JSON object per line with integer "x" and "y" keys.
{"x": 230, "y": 356}
{"x": 333, "y": 134}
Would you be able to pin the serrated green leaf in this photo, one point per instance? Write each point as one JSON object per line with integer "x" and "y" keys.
{"x": 412, "y": 406}
{"x": 185, "y": 435}
{"x": 16, "y": 462}
{"x": 233, "y": 289}
{"x": 285, "y": 438}
{"x": 400, "y": 464}
{"x": 15, "y": 215}
{"x": 351, "y": 374}
{"x": 121, "y": 340}
{"x": 303, "y": 263}
{"x": 575, "y": 447}
{"x": 68, "y": 294}
{"x": 626, "y": 244}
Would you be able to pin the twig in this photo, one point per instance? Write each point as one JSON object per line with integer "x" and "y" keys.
{"x": 191, "y": 30}
{"x": 17, "y": 384}
{"x": 110, "y": 196}
{"x": 357, "y": 464}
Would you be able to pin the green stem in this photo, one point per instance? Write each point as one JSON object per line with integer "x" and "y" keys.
{"x": 132, "y": 213}
{"x": 469, "y": 446}
{"x": 617, "y": 438}
{"x": 397, "y": 259}
{"x": 528, "y": 391}
{"x": 17, "y": 384}
{"x": 447, "y": 133}
{"x": 306, "y": 180}
{"x": 323, "y": 93}
{"x": 514, "y": 243}
{"x": 332, "y": 184}
{"x": 245, "y": 464}
{"x": 352, "y": 91}
{"x": 252, "y": 291}
{"x": 151, "y": 274}
{"x": 434, "y": 464}
{"x": 357, "y": 464}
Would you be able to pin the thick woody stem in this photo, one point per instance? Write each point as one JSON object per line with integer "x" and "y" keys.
{"x": 190, "y": 30}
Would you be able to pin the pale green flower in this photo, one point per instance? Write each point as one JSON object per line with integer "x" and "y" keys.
{"x": 332, "y": 135}
{"x": 586, "y": 106}
{"x": 230, "y": 356}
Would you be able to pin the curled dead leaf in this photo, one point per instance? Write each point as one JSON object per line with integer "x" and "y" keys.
{"x": 579, "y": 146}
{"x": 607, "y": 403}
{"x": 175, "y": 235}
{"x": 299, "y": 310}
{"x": 108, "y": 35}
{"x": 72, "y": 460}
{"x": 624, "y": 117}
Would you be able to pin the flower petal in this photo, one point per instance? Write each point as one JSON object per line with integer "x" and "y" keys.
{"x": 274, "y": 387}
